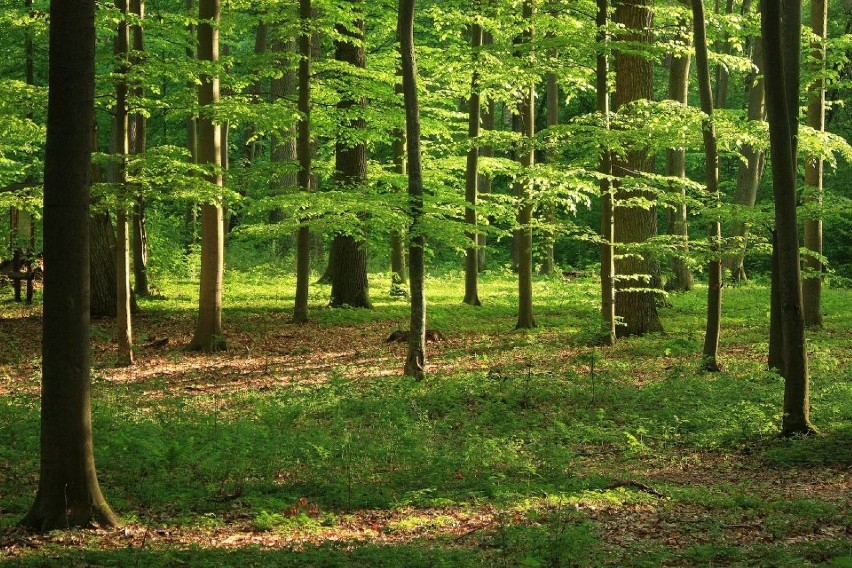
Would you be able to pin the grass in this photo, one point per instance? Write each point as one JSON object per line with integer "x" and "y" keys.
{"x": 303, "y": 445}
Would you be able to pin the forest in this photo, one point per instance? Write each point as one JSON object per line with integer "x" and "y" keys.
{"x": 425, "y": 283}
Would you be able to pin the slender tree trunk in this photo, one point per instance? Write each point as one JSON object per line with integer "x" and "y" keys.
{"x": 523, "y": 189}
{"x": 191, "y": 216}
{"x": 471, "y": 267}
{"x": 607, "y": 226}
{"x": 68, "y": 492}
{"x": 676, "y": 166}
{"x": 485, "y": 179}
{"x": 137, "y": 146}
{"x": 781, "y": 48}
{"x": 399, "y": 274}
{"x": 548, "y": 265}
{"x": 349, "y": 274}
{"x": 711, "y": 171}
{"x": 304, "y": 150}
{"x": 121, "y": 148}
{"x": 812, "y": 286}
{"x": 102, "y": 282}
{"x": 284, "y": 151}
{"x": 208, "y": 331}
{"x": 415, "y": 362}
{"x": 750, "y": 172}
{"x": 634, "y": 225}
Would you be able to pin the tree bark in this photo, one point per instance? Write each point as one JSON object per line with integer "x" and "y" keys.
{"x": 68, "y": 492}
{"x": 399, "y": 273}
{"x": 634, "y": 81}
{"x": 137, "y": 138}
{"x": 676, "y": 166}
{"x": 812, "y": 285}
{"x": 781, "y": 49}
{"x": 523, "y": 189}
{"x": 304, "y": 151}
{"x": 415, "y": 361}
{"x": 120, "y": 151}
{"x": 349, "y": 274}
{"x": 607, "y": 226}
{"x": 208, "y": 331}
{"x": 485, "y": 179}
{"x": 471, "y": 267}
{"x": 548, "y": 264}
{"x": 750, "y": 172}
{"x": 711, "y": 172}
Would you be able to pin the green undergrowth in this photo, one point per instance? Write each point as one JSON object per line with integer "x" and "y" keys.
{"x": 563, "y": 442}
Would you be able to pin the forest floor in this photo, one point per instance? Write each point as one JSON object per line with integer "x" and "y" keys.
{"x": 302, "y": 445}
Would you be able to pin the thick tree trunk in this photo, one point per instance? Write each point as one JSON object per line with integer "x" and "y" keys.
{"x": 304, "y": 151}
{"x": 711, "y": 172}
{"x": 781, "y": 48}
{"x": 750, "y": 172}
{"x": 471, "y": 266}
{"x": 812, "y": 285}
{"x": 208, "y": 330}
{"x": 349, "y": 274}
{"x": 415, "y": 361}
{"x": 634, "y": 81}
{"x": 68, "y": 491}
{"x": 121, "y": 149}
{"x": 676, "y": 166}
{"x": 523, "y": 189}
{"x": 607, "y": 226}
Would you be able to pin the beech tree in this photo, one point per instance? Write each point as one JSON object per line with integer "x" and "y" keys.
{"x": 303, "y": 149}
{"x": 471, "y": 267}
{"x": 68, "y": 492}
{"x": 348, "y": 255}
{"x": 523, "y": 188}
{"x": 782, "y": 78}
{"x": 415, "y": 361}
{"x": 208, "y": 330}
{"x": 607, "y": 222}
{"x": 711, "y": 173}
{"x": 638, "y": 272}
{"x": 812, "y": 285}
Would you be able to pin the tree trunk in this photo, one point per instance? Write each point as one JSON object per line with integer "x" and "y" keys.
{"x": 349, "y": 274}
{"x": 812, "y": 285}
{"x": 471, "y": 266}
{"x": 711, "y": 172}
{"x": 523, "y": 189}
{"x": 120, "y": 149}
{"x": 750, "y": 172}
{"x": 676, "y": 166}
{"x": 548, "y": 264}
{"x": 304, "y": 151}
{"x": 399, "y": 274}
{"x": 607, "y": 226}
{"x": 485, "y": 179}
{"x": 68, "y": 492}
{"x": 137, "y": 138}
{"x": 634, "y": 81}
{"x": 208, "y": 331}
{"x": 191, "y": 216}
{"x": 781, "y": 48}
{"x": 415, "y": 361}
